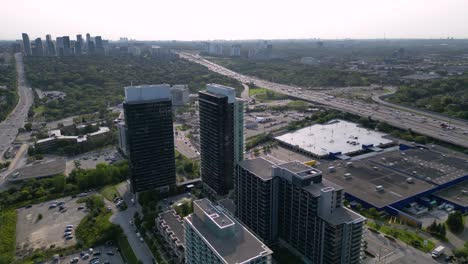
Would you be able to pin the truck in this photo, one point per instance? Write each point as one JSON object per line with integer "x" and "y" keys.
{"x": 438, "y": 251}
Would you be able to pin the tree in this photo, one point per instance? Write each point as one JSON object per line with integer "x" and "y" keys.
{"x": 28, "y": 126}
{"x": 455, "y": 222}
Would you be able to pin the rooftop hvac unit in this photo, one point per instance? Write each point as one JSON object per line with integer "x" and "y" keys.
{"x": 347, "y": 176}
{"x": 379, "y": 188}
{"x": 331, "y": 169}
{"x": 409, "y": 180}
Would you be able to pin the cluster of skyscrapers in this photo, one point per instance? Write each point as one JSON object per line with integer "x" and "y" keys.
{"x": 286, "y": 203}
{"x": 63, "y": 46}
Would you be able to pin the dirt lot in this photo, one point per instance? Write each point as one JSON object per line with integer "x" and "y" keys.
{"x": 32, "y": 233}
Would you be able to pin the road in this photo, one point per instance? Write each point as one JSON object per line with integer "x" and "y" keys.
{"x": 387, "y": 251}
{"x": 123, "y": 219}
{"x": 425, "y": 124}
{"x": 245, "y": 93}
{"x": 184, "y": 146}
{"x": 9, "y": 127}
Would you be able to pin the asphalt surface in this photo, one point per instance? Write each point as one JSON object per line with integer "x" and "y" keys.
{"x": 245, "y": 93}
{"x": 387, "y": 251}
{"x": 423, "y": 123}
{"x": 9, "y": 127}
{"x": 123, "y": 219}
{"x": 184, "y": 146}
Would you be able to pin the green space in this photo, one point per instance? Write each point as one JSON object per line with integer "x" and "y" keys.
{"x": 290, "y": 71}
{"x": 256, "y": 90}
{"x": 406, "y": 236}
{"x": 36, "y": 191}
{"x": 437, "y": 230}
{"x": 126, "y": 250}
{"x": 263, "y": 94}
{"x": 7, "y": 236}
{"x": 187, "y": 167}
{"x": 184, "y": 208}
{"x": 462, "y": 252}
{"x": 92, "y": 84}
{"x": 8, "y": 93}
{"x": 109, "y": 192}
{"x": 447, "y": 96}
{"x": 298, "y": 105}
{"x": 254, "y": 141}
{"x": 455, "y": 222}
{"x": 95, "y": 228}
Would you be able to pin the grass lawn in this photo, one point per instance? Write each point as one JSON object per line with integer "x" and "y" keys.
{"x": 126, "y": 250}
{"x": 7, "y": 236}
{"x": 255, "y": 91}
{"x": 109, "y": 192}
{"x": 39, "y": 110}
{"x": 266, "y": 95}
{"x": 408, "y": 237}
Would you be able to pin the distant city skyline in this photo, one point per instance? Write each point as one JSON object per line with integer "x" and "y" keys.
{"x": 243, "y": 19}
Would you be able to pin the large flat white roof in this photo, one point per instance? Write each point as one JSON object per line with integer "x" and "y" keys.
{"x": 147, "y": 92}
{"x": 222, "y": 90}
{"x": 335, "y": 136}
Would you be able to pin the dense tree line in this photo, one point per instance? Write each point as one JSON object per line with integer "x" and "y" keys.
{"x": 7, "y": 236}
{"x": 103, "y": 175}
{"x": 95, "y": 228}
{"x": 34, "y": 191}
{"x": 93, "y": 83}
{"x": 437, "y": 230}
{"x": 291, "y": 72}
{"x": 455, "y": 222}
{"x": 8, "y": 95}
{"x": 447, "y": 96}
{"x": 186, "y": 166}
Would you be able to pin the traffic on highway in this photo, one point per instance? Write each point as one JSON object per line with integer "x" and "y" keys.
{"x": 437, "y": 126}
{"x": 9, "y": 127}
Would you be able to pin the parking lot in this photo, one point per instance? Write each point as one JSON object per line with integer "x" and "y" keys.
{"x": 428, "y": 218}
{"x": 279, "y": 155}
{"x": 107, "y": 254}
{"x": 32, "y": 232}
{"x": 91, "y": 159}
{"x": 266, "y": 121}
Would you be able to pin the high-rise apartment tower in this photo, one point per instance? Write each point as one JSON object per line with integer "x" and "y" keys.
{"x": 150, "y": 136}
{"x": 221, "y": 138}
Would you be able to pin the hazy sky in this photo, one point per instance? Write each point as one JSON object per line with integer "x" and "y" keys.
{"x": 235, "y": 19}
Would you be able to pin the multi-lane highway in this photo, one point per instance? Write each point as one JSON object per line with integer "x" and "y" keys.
{"x": 424, "y": 123}
{"x": 9, "y": 127}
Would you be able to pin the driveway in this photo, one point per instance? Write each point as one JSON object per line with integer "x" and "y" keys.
{"x": 123, "y": 219}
